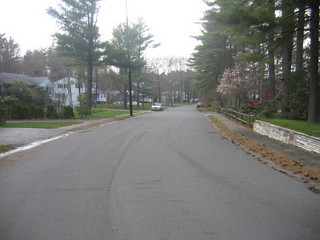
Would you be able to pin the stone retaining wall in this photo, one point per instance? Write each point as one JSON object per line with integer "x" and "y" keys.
{"x": 285, "y": 135}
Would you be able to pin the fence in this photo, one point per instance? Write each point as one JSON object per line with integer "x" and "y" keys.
{"x": 241, "y": 117}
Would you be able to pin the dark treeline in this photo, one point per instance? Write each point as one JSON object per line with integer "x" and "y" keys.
{"x": 261, "y": 50}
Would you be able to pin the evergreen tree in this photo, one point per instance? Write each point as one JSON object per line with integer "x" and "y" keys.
{"x": 281, "y": 36}
{"x": 9, "y": 55}
{"x": 214, "y": 54}
{"x": 80, "y": 34}
{"x": 126, "y": 49}
{"x": 35, "y": 63}
{"x": 314, "y": 61}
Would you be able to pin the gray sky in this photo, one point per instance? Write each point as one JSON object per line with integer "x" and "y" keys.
{"x": 171, "y": 21}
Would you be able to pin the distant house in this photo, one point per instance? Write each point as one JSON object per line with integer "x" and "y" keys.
{"x": 64, "y": 91}
{"x": 67, "y": 90}
{"x": 101, "y": 97}
{"x": 6, "y": 79}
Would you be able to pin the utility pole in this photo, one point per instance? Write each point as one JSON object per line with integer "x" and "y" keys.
{"x": 129, "y": 60}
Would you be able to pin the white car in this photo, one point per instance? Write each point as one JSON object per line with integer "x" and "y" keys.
{"x": 156, "y": 107}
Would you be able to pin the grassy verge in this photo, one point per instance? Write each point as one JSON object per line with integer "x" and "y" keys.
{"x": 5, "y": 148}
{"x": 285, "y": 162}
{"x": 99, "y": 113}
{"x": 312, "y": 129}
{"x": 47, "y": 125}
{"x": 146, "y": 106}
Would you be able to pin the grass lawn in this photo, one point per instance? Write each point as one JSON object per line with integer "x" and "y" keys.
{"x": 98, "y": 113}
{"x": 312, "y": 129}
{"x": 147, "y": 106}
{"x": 47, "y": 125}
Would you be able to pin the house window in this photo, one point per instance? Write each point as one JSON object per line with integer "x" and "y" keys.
{"x": 59, "y": 95}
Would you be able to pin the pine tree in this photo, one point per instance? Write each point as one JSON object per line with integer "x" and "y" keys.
{"x": 80, "y": 35}
{"x": 314, "y": 61}
{"x": 214, "y": 54}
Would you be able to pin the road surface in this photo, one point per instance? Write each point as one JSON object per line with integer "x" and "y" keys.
{"x": 162, "y": 176}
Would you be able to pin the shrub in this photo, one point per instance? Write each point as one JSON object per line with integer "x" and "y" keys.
{"x": 19, "y": 111}
{"x": 35, "y": 111}
{"x": 38, "y": 112}
{"x": 51, "y": 112}
{"x": 215, "y": 104}
{"x": 67, "y": 112}
{"x": 266, "y": 108}
{"x": 3, "y": 112}
{"x": 25, "y": 111}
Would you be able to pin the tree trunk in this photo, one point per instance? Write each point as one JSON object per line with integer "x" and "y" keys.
{"x": 159, "y": 89}
{"x": 300, "y": 36}
{"x": 89, "y": 89}
{"x": 138, "y": 92}
{"x": 96, "y": 72}
{"x": 287, "y": 35}
{"x": 125, "y": 89}
{"x": 272, "y": 77}
{"x": 314, "y": 55}
{"x": 271, "y": 64}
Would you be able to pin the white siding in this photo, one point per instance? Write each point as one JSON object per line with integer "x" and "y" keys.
{"x": 65, "y": 95}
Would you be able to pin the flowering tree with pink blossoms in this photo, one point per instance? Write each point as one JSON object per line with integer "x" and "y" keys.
{"x": 242, "y": 82}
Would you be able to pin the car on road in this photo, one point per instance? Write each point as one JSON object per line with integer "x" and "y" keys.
{"x": 156, "y": 107}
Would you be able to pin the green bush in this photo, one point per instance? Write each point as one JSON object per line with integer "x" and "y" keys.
{"x": 3, "y": 112}
{"x": 266, "y": 108}
{"x": 51, "y": 112}
{"x": 37, "y": 112}
{"x": 67, "y": 112}
{"x": 18, "y": 111}
{"x": 247, "y": 109}
{"x": 25, "y": 111}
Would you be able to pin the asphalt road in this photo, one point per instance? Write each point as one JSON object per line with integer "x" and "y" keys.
{"x": 162, "y": 176}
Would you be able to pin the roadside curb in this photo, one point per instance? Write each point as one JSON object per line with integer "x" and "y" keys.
{"x": 312, "y": 185}
{"x": 57, "y": 133}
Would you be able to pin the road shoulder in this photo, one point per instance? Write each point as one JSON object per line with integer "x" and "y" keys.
{"x": 288, "y": 160}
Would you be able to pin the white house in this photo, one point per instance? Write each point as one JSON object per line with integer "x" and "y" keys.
{"x": 66, "y": 91}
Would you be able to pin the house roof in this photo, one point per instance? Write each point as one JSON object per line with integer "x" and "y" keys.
{"x": 10, "y": 78}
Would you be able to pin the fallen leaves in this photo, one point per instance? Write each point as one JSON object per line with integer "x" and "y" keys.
{"x": 285, "y": 164}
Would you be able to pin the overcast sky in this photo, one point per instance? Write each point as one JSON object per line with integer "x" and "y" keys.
{"x": 173, "y": 22}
